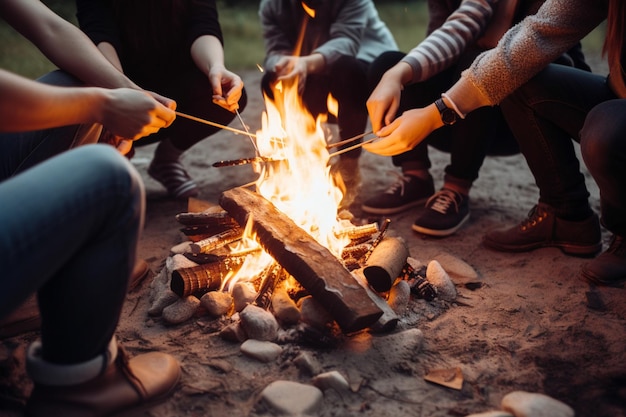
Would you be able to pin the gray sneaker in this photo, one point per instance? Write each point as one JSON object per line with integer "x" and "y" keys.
{"x": 409, "y": 191}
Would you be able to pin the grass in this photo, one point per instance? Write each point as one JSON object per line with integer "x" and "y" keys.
{"x": 243, "y": 42}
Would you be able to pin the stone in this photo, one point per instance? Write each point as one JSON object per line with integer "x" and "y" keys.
{"x": 166, "y": 298}
{"x": 307, "y": 363}
{"x": 261, "y": 350}
{"x": 285, "y": 309}
{"x": 258, "y": 323}
{"x": 292, "y": 398}
{"x": 332, "y": 379}
{"x": 439, "y": 278}
{"x": 217, "y": 303}
{"x": 528, "y": 404}
{"x": 313, "y": 314}
{"x": 399, "y": 297}
{"x": 243, "y": 294}
{"x": 457, "y": 268}
{"x": 181, "y": 311}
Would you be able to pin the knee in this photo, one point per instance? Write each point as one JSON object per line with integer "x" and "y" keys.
{"x": 602, "y": 135}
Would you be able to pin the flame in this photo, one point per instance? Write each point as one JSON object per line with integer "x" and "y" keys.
{"x": 298, "y": 179}
{"x": 308, "y": 10}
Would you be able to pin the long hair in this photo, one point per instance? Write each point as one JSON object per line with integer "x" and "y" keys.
{"x": 614, "y": 41}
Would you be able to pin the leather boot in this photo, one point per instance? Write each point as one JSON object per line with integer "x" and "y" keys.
{"x": 609, "y": 268}
{"x": 543, "y": 229}
{"x": 107, "y": 385}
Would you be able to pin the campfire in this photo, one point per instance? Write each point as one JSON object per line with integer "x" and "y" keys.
{"x": 286, "y": 234}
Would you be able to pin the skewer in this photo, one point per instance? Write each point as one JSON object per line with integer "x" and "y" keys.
{"x": 358, "y": 145}
{"x": 242, "y": 161}
{"x": 343, "y": 142}
{"x": 206, "y": 122}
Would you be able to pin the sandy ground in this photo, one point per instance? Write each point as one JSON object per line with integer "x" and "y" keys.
{"x": 531, "y": 325}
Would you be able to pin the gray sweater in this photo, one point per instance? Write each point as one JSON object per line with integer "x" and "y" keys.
{"x": 525, "y": 50}
{"x": 340, "y": 27}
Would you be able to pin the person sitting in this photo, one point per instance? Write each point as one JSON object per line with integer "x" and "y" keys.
{"x": 402, "y": 82}
{"x": 547, "y": 106}
{"x": 174, "y": 48}
{"x": 327, "y": 46}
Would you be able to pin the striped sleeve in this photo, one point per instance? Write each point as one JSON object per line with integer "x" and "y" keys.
{"x": 443, "y": 46}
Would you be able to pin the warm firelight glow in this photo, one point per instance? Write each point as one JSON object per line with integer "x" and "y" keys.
{"x": 308, "y": 10}
{"x": 298, "y": 179}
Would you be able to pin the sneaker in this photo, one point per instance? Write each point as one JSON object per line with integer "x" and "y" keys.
{"x": 407, "y": 192}
{"x": 543, "y": 229}
{"x": 445, "y": 213}
{"x": 173, "y": 176}
{"x": 610, "y": 267}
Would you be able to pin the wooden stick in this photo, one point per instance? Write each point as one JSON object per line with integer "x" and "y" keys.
{"x": 343, "y": 142}
{"x": 206, "y": 122}
{"x": 358, "y": 145}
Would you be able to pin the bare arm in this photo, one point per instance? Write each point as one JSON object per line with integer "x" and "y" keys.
{"x": 208, "y": 54}
{"x": 27, "y": 105}
{"x": 63, "y": 43}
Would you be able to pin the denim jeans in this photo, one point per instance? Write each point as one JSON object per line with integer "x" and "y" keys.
{"x": 68, "y": 230}
{"x": 603, "y": 147}
{"x": 545, "y": 114}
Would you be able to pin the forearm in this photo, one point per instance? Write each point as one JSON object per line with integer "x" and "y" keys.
{"x": 110, "y": 54}
{"x": 207, "y": 52}
{"x": 27, "y": 105}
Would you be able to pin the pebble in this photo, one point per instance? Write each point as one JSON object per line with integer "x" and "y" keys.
{"x": 313, "y": 314}
{"x": 307, "y": 363}
{"x": 261, "y": 350}
{"x": 181, "y": 311}
{"x": 528, "y": 404}
{"x": 332, "y": 379}
{"x": 399, "y": 297}
{"x": 258, "y": 323}
{"x": 217, "y": 303}
{"x": 460, "y": 270}
{"x": 439, "y": 278}
{"x": 292, "y": 398}
{"x": 166, "y": 298}
{"x": 243, "y": 294}
{"x": 285, "y": 309}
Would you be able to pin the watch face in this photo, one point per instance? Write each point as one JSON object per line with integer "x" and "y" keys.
{"x": 448, "y": 116}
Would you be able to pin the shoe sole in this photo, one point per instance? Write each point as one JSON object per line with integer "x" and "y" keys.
{"x": 440, "y": 233}
{"x": 393, "y": 210}
{"x": 592, "y": 279}
{"x": 566, "y": 248}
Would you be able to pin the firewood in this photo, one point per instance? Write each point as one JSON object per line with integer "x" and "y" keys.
{"x": 313, "y": 265}
{"x": 385, "y": 263}
{"x": 357, "y": 232}
{"x": 203, "y": 278}
{"x": 270, "y": 278}
{"x": 217, "y": 241}
{"x": 208, "y": 218}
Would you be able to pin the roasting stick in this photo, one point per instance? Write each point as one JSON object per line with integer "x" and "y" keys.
{"x": 343, "y": 142}
{"x": 358, "y": 145}
{"x": 206, "y": 122}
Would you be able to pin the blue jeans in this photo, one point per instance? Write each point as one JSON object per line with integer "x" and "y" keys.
{"x": 545, "y": 114}
{"x": 69, "y": 231}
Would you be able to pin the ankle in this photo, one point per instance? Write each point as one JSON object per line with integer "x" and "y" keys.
{"x": 422, "y": 174}
{"x": 166, "y": 151}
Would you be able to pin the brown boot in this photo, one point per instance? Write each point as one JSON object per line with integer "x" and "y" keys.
{"x": 105, "y": 386}
{"x": 610, "y": 267}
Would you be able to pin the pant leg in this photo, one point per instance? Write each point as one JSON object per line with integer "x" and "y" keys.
{"x": 23, "y": 150}
{"x": 70, "y": 230}
{"x": 545, "y": 115}
{"x": 603, "y": 147}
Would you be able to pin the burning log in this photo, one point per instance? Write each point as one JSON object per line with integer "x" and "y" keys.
{"x": 216, "y": 219}
{"x": 313, "y": 265}
{"x": 204, "y": 278}
{"x": 385, "y": 263}
{"x": 270, "y": 278}
{"x": 418, "y": 282}
{"x": 358, "y": 232}
{"x": 217, "y": 241}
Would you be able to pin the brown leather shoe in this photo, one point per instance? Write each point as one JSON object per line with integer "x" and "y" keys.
{"x": 124, "y": 386}
{"x": 610, "y": 267}
{"x": 543, "y": 229}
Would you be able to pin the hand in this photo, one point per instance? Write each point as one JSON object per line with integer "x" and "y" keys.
{"x": 291, "y": 68}
{"x": 406, "y": 132}
{"x": 227, "y": 88}
{"x": 384, "y": 102}
{"x": 133, "y": 114}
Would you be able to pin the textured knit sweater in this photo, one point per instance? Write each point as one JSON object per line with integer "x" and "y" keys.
{"x": 526, "y": 49}
{"x": 339, "y": 27}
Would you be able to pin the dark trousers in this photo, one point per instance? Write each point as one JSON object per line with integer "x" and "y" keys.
{"x": 346, "y": 82}
{"x": 546, "y": 114}
{"x": 482, "y": 132}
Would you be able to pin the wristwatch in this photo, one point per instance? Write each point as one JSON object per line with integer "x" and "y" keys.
{"x": 448, "y": 116}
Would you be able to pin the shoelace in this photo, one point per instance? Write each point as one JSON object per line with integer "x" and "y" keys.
{"x": 442, "y": 200}
{"x": 399, "y": 184}
{"x": 617, "y": 246}
{"x": 535, "y": 215}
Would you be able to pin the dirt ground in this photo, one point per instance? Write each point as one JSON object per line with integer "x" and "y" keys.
{"x": 531, "y": 325}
